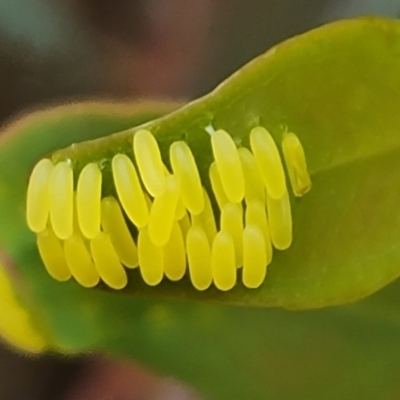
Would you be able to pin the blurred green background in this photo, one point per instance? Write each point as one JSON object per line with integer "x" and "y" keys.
{"x": 52, "y": 52}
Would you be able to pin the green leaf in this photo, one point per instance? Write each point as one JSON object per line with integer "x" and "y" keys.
{"x": 21, "y": 143}
{"x": 336, "y": 88}
{"x": 226, "y": 352}
{"x": 37, "y": 134}
{"x": 229, "y": 352}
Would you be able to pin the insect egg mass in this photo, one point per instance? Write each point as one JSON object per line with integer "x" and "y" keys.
{"x": 141, "y": 225}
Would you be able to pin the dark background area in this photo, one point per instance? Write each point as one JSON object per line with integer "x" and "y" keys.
{"x": 53, "y": 51}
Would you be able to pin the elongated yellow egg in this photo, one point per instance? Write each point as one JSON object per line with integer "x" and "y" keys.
{"x": 199, "y": 258}
{"x": 129, "y": 191}
{"x": 296, "y": 164}
{"x": 184, "y": 223}
{"x": 180, "y": 210}
{"x": 80, "y": 262}
{"x": 254, "y": 186}
{"x": 197, "y": 220}
{"x": 269, "y": 162}
{"x": 206, "y": 218}
{"x": 149, "y": 162}
{"x": 254, "y": 257}
{"x": 223, "y": 262}
{"x": 37, "y": 204}
{"x": 61, "y": 196}
{"x": 88, "y": 198}
{"x": 232, "y": 223}
{"x": 113, "y": 223}
{"x": 216, "y": 185}
{"x": 174, "y": 254}
{"x": 256, "y": 215}
{"x": 228, "y": 165}
{"x": 162, "y": 213}
{"x": 107, "y": 262}
{"x": 280, "y": 221}
{"x": 52, "y": 254}
{"x": 185, "y": 167}
{"x": 151, "y": 259}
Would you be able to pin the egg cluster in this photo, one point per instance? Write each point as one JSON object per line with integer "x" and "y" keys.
{"x": 163, "y": 221}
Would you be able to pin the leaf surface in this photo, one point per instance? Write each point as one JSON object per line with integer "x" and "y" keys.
{"x": 337, "y": 88}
